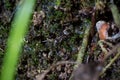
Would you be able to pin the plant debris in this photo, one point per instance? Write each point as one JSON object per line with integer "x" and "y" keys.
{"x": 65, "y": 33}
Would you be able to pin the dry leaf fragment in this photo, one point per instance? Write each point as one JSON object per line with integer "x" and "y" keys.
{"x": 102, "y": 28}
{"x": 38, "y": 18}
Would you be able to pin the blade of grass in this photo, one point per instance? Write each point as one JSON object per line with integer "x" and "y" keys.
{"x": 15, "y": 40}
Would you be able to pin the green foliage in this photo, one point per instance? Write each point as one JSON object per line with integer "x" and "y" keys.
{"x": 116, "y": 14}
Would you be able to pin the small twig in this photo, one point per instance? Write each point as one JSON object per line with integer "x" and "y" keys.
{"x": 114, "y": 50}
{"x": 108, "y": 43}
{"x": 83, "y": 47}
{"x": 102, "y": 46}
{"x": 42, "y": 75}
{"x": 111, "y": 62}
{"x": 117, "y": 48}
{"x": 100, "y": 43}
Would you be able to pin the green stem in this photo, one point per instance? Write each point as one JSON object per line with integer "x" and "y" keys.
{"x": 15, "y": 40}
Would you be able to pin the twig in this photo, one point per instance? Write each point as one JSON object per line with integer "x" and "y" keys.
{"x": 102, "y": 47}
{"x": 100, "y": 43}
{"x": 112, "y": 60}
{"x": 82, "y": 50}
{"x": 42, "y": 75}
{"x": 114, "y": 50}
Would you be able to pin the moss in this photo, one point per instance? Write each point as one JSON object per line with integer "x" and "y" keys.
{"x": 52, "y": 77}
{"x": 58, "y": 2}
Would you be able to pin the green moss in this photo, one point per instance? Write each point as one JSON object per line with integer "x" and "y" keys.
{"x": 52, "y": 76}
{"x": 8, "y": 5}
{"x": 58, "y": 2}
